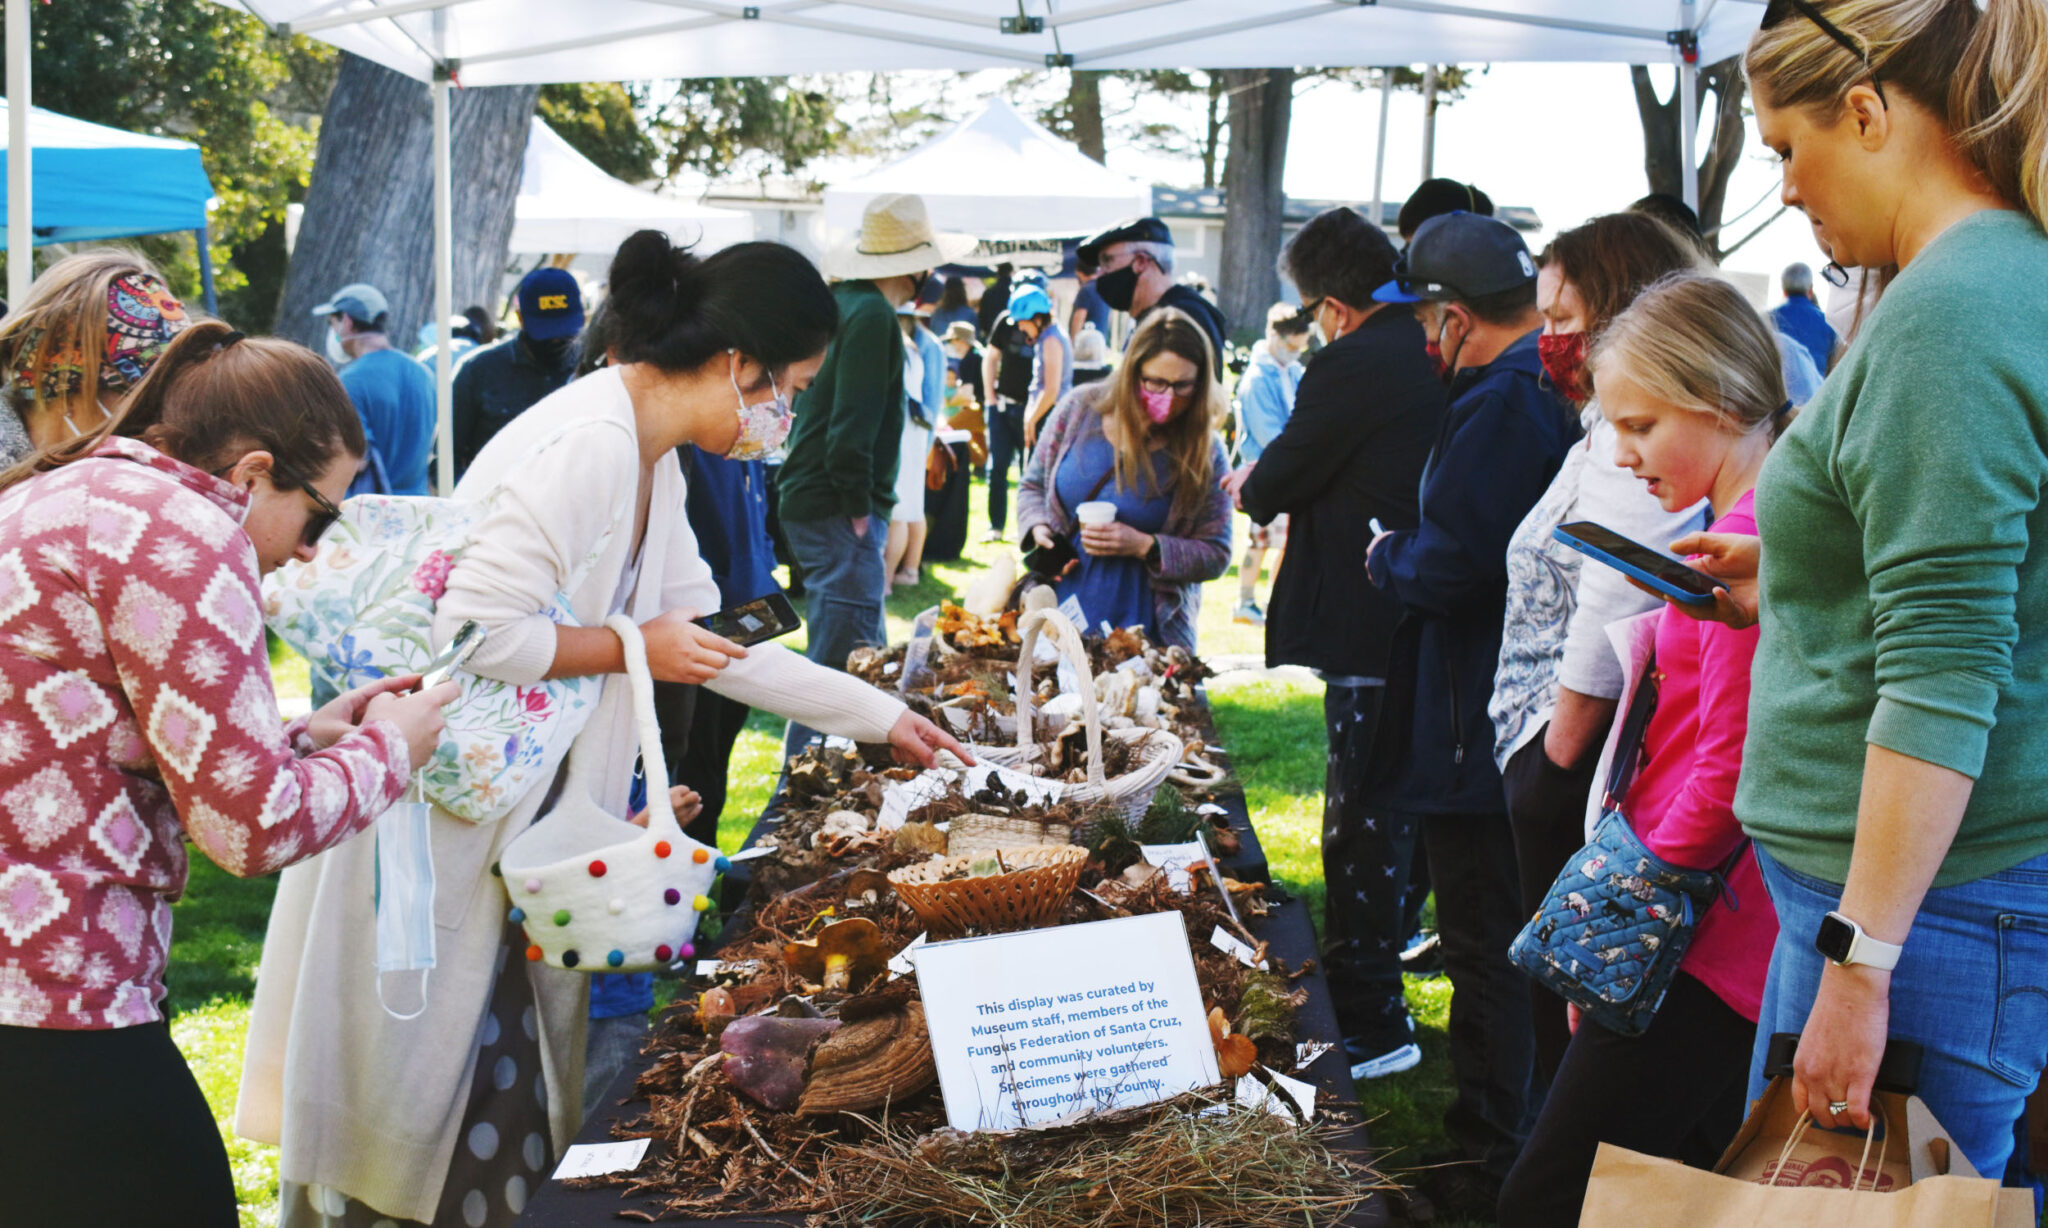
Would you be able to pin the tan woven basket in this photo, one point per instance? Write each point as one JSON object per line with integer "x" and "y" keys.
{"x": 983, "y": 833}
{"x": 1031, "y": 894}
{"x": 1157, "y": 750}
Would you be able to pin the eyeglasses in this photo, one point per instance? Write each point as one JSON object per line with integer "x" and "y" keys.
{"x": 319, "y": 522}
{"x": 1777, "y": 11}
{"x": 1307, "y": 314}
{"x": 1179, "y": 388}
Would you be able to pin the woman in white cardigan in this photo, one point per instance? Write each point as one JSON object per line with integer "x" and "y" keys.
{"x": 453, "y": 1117}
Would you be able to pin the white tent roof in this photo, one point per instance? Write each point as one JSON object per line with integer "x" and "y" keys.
{"x": 566, "y": 204}
{"x": 502, "y": 42}
{"x": 997, "y": 175}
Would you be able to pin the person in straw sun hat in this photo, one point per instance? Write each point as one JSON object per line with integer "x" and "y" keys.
{"x": 838, "y": 485}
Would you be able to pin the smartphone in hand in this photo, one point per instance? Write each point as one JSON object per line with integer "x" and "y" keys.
{"x": 763, "y": 618}
{"x": 468, "y": 638}
{"x": 1660, "y": 571}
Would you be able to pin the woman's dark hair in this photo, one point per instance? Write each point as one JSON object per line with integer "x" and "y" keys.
{"x": 1610, "y": 259}
{"x": 954, "y": 295}
{"x": 215, "y": 395}
{"x": 1339, "y": 255}
{"x": 482, "y": 324}
{"x": 669, "y": 308}
{"x": 1436, "y": 197}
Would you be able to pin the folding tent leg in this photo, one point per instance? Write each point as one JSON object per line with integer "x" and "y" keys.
{"x": 205, "y": 237}
{"x": 1688, "y": 132}
{"x": 444, "y": 290}
{"x": 1379, "y": 158}
{"x": 21, "y": 235}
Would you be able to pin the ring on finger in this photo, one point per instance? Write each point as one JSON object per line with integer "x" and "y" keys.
{"x": 1838, "y": 1107}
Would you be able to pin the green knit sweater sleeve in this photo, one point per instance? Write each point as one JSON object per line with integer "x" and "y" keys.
{"x": 869, "y": 359}
{"x": 1942, "y": 465}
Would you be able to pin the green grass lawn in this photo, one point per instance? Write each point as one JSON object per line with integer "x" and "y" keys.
{"x": 1271, "y": 723}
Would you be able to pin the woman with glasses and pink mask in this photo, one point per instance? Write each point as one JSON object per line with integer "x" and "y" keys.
{"x": 1126, "y": 469}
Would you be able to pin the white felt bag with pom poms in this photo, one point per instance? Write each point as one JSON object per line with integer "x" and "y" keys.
{"x": 596, "y": 893}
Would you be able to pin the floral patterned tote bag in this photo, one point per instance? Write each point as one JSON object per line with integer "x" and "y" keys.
{"x": 363, "y": 609}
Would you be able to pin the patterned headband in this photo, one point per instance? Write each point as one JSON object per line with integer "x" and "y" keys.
{"x": 142, "y": 317}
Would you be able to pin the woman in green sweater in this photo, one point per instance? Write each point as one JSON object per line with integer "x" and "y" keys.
{"x": 1898, "y": 734}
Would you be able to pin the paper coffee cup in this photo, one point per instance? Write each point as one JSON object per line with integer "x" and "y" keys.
{"x": 1097, "y": 512}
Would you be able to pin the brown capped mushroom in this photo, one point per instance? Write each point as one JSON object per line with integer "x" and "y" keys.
{"x": 766, "y": 1056}
{"x": 842, "y": 953}
{"x": 869, "y": 1064}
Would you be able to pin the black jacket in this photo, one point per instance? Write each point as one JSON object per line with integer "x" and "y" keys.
{"x": 498, "y": 383}
{"x": 1503, "y": 440}
{"x": 1364, "y": 417}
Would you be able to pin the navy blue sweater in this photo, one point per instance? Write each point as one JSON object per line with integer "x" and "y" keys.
{"x": 1503, "y": 439}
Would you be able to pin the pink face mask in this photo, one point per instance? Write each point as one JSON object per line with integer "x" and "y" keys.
{"x": 1158, "y": 405}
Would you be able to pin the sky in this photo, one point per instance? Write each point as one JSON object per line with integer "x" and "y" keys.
{"x": 1562, "y": 139}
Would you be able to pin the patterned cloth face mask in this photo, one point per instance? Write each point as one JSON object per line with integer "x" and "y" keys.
{"x": 763, "y": 425}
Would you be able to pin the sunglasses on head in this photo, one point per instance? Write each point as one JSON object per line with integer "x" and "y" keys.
{"x": 1778, "y": 11}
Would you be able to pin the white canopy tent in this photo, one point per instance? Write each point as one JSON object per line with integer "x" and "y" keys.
{"x": 506, "y": 42}
{"x": 998, "y": 175}
{"x": 566, "y": 204}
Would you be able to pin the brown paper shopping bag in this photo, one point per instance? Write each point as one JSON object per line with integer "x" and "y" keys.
{"x": 1782, "y": 1171}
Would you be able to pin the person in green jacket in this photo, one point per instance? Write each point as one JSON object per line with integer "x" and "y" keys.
{"x": 1893, "y": 778}
{"x": 839, "y": 482}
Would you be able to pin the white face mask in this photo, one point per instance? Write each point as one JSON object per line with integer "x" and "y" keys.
{"x": 336, "y": 352}
{"x": 405, "y": 896}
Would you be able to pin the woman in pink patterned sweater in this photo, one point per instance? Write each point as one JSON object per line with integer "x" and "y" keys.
{"x": 136, "y": 713}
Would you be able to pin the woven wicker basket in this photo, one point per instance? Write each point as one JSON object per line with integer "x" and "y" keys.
{"x": 1031, "y": 894}
{"x": 984, "y": 833}
{"x": 1157, "y": 750}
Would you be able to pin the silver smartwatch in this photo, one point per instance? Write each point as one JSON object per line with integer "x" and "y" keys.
{"x": 1844, "y": 942}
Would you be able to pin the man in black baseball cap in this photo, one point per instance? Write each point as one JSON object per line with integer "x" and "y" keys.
{"x": 1131, "y": 267}
{"x": 1471, "y": 282}
{"x": 498, "y": 382}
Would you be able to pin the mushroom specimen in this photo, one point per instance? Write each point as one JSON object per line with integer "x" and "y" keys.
{"x": 842, "y": 953}
{"x": 871, "y": 1063}
{"x": 766, "y": 1056}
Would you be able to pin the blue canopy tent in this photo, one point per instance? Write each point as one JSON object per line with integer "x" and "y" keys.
{"x": 95, "y": 182}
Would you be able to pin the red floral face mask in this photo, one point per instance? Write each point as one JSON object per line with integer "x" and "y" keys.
{"x": 1564, "y": 360}
{"x": 1435, "y": 350}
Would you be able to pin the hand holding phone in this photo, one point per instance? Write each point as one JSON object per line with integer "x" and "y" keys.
{"x": 468, "y": 638}
{"x": 1666, "y": 575}
{"x": 761, "y": 619}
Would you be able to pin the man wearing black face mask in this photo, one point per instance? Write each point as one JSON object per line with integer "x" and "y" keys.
{"x": 1131, "y": 266}
{"x": 498, "y": 382}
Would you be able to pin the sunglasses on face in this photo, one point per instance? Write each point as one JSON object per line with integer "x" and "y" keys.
{"x": 1778, "y": 11}
{"x": 319, "y": 522}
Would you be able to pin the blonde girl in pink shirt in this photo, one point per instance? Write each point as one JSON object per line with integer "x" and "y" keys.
{"x": 1690, "y": 378}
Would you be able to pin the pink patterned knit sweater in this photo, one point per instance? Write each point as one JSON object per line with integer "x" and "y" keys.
{"x": 136, "y": 712}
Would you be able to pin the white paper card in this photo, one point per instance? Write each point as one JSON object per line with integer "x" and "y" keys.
{"x": 901, "y": 964}
{"x": 1254, "y": 1094}
{"x": 1030, "y": 1027}
{"x": 1175, "y": 860}
{"x": 597, "y": 1159}
{"x": 1228, "y": 943}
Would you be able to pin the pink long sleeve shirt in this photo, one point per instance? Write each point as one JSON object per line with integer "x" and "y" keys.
{"x": 136, "y": 712}
{"x": 1682, "y": 803}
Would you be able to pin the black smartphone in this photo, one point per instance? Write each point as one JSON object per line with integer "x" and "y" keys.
{"x": 1660, "y": 571}
{"x": 1050, "y": 561}
{"x": 763, "y": 618}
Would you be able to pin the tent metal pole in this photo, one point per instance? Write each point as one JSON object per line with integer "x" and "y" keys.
{"x": 1379, "y": 158}
{"x": 1688, "y": 132}
{"x": 205, "y": 237}
{"x": 1429, "y": 82}
{"x": 21, "y": 234}
{"x": 377, "y": 12}
{"x": 444, "y": 287}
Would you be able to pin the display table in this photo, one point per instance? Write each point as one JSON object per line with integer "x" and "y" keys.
{"x": 1288, "y": 931}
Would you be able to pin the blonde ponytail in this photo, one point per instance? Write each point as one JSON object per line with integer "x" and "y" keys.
{"x": 1983, "y": 70}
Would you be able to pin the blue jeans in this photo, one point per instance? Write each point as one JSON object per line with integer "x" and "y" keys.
{"x": 1005, "y": 449}
{"x": 1971, "y": 989}
{"x": 843, "y": 576}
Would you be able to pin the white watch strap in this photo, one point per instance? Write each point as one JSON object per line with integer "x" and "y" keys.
{"x": 1871, "y": 952}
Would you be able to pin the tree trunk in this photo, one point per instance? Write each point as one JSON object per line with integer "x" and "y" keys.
{"x": 1084, "y": 112}
{"x": 1261, "y": 106}
{"x": 1212, "y": 139}
{"x": 1664, "y": 151}
{"x": 370, "y": 206}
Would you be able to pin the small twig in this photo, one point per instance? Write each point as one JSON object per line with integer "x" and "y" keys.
{"x": 768, "y": 1151}
{"x": 705, "y": 1145}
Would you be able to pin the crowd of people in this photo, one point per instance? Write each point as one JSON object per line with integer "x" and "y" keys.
{"x": 1845, "y": 734}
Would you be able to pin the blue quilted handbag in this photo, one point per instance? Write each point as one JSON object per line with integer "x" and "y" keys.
{"x": 1616, "y": 923}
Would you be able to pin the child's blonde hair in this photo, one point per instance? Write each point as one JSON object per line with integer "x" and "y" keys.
{"x": 1692, "y": 340}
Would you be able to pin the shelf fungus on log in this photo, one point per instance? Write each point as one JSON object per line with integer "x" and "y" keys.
{"x": 875, "y": 1062}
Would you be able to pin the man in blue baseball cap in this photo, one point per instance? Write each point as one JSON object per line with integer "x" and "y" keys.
{"x": 393, "y": 394}
{"x": 1472, "y": 284}
{"x": 500, "y": 381}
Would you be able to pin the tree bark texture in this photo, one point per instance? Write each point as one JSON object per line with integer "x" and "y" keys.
{"x": 1261, "y": 102}
{"x": 1664, "y": 151}
{"x": 1084, "y": 110}
{"x": 370, "y": 206}
{"x": 1212, "y": 136}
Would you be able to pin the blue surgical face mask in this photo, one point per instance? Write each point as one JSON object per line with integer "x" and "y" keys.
{"x": 405, "y": 896}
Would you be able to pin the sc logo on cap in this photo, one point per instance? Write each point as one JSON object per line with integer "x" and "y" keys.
{"x": 1528, "y": 268}
{"x": 560, "y": 302}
